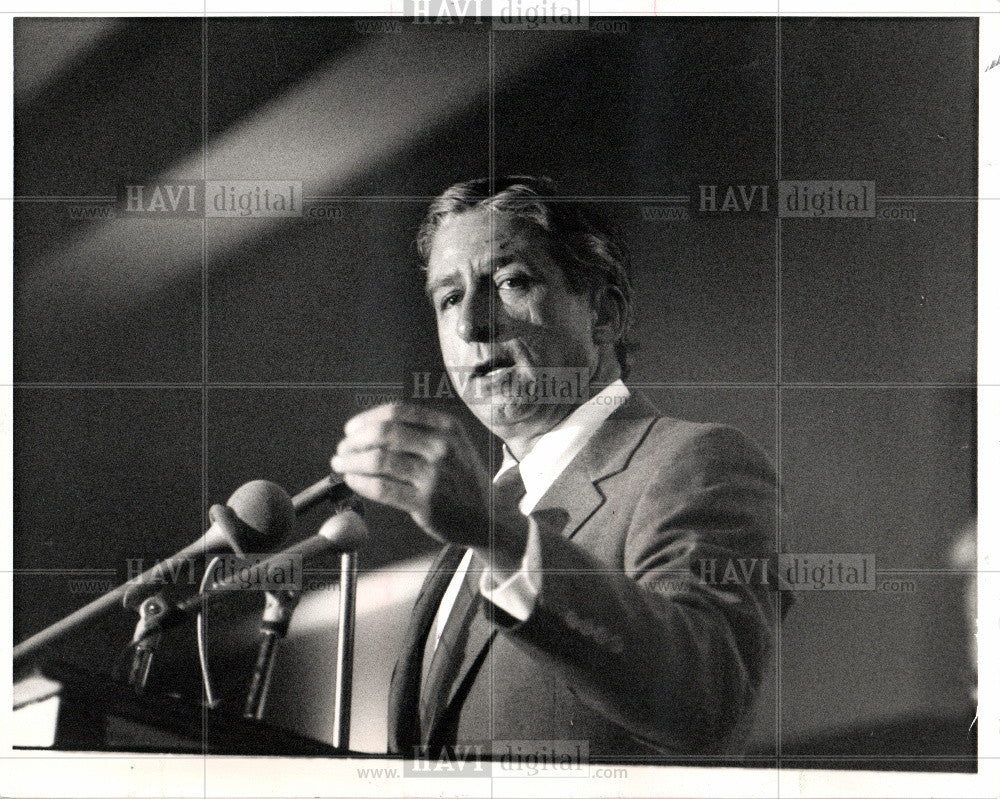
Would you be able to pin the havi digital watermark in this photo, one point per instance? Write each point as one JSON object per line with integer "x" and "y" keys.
{"x": 493, "y": 759}
{"x": 513, "y": 15}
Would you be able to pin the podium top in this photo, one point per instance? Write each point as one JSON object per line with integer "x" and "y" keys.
{"x": 96, "y": 713}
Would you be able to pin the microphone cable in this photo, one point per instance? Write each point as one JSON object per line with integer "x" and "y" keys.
{"x": 206, "y": 679}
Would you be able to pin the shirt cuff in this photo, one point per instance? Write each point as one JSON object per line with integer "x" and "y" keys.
{"x": 516, "y": 593}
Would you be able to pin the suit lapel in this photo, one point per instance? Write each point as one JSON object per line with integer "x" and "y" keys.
{"x": 481, "y": 634}
{"x": 404, "y": 687}
{"x": 576, "y": 496}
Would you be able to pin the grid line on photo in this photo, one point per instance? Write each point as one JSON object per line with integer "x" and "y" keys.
{"x": 203, "y": 616}
{"x": 492, "y": 464}
{"x": 567, "y": 198}
{"x": 899, "y": 571}
{"x": 645, "y": 384}
{"x": 778, "y": 374}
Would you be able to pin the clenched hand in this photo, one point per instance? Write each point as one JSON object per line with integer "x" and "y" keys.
{"x": 422, "y": 462}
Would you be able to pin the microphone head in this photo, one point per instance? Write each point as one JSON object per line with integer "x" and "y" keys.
{"x": 266, "y": 512}
{"x": 265, "y": 515}
{"x": 346, "y": 531}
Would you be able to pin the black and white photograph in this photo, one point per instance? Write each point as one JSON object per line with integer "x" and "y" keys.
{"x": 501, "y": 398}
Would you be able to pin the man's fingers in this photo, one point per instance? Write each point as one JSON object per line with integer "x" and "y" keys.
{"x": 379, "y": 462}
{"x": 416, "y": 460}
{"x": 402, "y": 412}
{"x": 385, "y": 490}
{"x": 395, "y": 436}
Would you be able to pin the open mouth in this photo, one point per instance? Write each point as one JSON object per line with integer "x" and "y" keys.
{"x": 494, "y": 364}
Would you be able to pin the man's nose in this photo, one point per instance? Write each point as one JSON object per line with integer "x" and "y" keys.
{"x": 481, "y": 317}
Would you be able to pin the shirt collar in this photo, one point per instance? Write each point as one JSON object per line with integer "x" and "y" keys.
{"x": 551, "y": 454}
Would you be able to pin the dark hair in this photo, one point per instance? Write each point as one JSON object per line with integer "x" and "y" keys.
{"x": 581, "y": 243}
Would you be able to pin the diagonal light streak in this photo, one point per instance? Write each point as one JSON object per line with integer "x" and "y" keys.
{"x": 327, "y": 131}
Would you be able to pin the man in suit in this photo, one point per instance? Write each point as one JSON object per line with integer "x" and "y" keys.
{"x": 590, "y": 590}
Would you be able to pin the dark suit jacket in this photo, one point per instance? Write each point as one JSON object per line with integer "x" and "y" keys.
{"x": 647, "y": 636}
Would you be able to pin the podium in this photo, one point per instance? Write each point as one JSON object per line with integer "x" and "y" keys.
{"x": 60, "y": 707}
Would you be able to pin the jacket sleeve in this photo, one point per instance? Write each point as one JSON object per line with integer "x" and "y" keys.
{"x": 671, "y": 643}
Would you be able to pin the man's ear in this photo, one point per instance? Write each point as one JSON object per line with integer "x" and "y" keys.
{"x": 608, "y": 313}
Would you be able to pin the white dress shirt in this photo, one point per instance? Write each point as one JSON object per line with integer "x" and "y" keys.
{"x": 516, "y": 593}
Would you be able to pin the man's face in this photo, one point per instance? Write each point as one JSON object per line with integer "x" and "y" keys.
{"x": 507, "y": 320}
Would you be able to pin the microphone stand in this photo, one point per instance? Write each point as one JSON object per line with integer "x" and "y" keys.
{"x": 281, "y": 604}
{"x": 274, "y": 626}
{"x": 346, "y": 626}
{"x": 345, "y": 650}
{"x": 278, "y": 609}
{"x": 146, "y": 640}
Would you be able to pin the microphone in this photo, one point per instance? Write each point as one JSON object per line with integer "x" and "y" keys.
{"x": 266, "y": 515}
{"x": 345, "y": 532}
{"x": 331, "y": 487}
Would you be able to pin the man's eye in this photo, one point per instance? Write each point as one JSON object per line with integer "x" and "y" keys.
{"x": 516, "y": 282}
{"x": 448, "y": 300}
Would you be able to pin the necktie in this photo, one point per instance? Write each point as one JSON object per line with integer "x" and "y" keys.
{"x": 506, "y": 492}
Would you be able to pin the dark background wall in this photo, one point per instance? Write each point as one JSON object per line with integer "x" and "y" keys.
{"x": 162, "y": 363}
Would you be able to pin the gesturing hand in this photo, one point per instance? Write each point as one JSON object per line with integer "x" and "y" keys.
{"x": 422, "y": 462}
